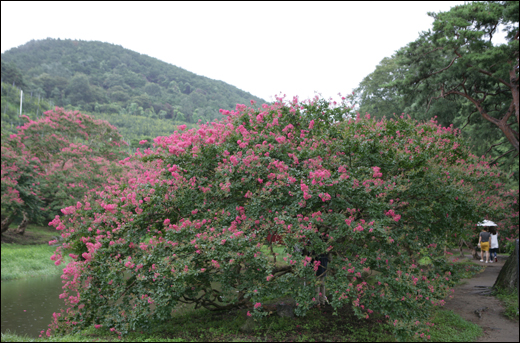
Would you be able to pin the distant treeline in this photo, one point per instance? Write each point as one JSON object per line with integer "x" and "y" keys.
{"x": 98, "y": 77}
{"x": 133, "y": 128}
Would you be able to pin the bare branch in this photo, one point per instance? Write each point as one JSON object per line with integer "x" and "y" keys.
{"x": 429, "y": 52}
{"x": 499, "y": 157}
{"x": 491, "y": 147}
{"x": 491, "y": 74}
{"x": 435, "y": 98}
{"x": 437, "y": 72}
{"x": 469, "y": 117}
{"x": 491, "y": 32}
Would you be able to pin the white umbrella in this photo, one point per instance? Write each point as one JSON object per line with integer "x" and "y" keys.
{"x": 487, "y": 223}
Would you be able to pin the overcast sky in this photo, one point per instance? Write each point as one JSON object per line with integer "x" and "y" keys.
{"x": 262, "y": 48}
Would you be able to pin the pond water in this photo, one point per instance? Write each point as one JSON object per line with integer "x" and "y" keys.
{"x": 28, "y": 304}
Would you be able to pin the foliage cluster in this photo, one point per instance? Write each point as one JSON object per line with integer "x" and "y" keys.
{"x": 457, "y": 73}
{"x": 53, "y": 161}
{"x": 370, "y": 194}
{"x": 133, "y": 128}
{"x": 106, "y": 78}
{"x": 34, "y": 106}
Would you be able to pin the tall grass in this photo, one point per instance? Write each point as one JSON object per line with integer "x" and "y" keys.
{"x": 21, "y": 261}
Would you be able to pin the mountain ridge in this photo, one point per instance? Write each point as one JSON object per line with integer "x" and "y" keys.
{"x": 101, "y": 77}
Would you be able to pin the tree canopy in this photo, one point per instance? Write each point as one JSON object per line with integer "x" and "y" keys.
{"x": 100, "y": 77}
{"x": 376, "y": 196}
{"x": 456, "y": 73}
{"x": 54, "y": 161}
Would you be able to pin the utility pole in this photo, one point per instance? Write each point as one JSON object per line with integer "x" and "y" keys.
{"x": 21, "y": 101}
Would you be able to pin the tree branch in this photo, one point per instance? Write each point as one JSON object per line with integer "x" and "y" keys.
{"x": 509, "y": 112}
{"x": 437, "y": 72}
{"x": 491, "y": 32}
{"x": 499, "y": 157}
{"x": 491, "y": 147}
{"x": 469, "y": 117}
{"x": 491, "y": 74}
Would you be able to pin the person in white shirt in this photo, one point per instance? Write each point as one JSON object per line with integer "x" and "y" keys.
{"x": 494, "y": 244}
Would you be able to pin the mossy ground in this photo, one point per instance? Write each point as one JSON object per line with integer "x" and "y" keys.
{"x": 319, "y": 325}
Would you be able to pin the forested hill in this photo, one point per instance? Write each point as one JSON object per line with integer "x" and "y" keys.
{"x": 103, "y": 78}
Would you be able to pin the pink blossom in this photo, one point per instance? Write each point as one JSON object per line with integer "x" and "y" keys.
{"x": 376, "y": 172}
{"x": 325, "y": 196}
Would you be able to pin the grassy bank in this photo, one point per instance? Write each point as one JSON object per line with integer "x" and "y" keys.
{"x": 34, "y": 234}
{"x": 28, "y": 255}
{"x": 510, "y": 300}
{"x": 21, "y": 261}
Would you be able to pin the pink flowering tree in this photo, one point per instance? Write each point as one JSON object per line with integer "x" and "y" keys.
{"x": 19, "y": 184}
{"x": 190, "y": 229}
{"x": 75, "y": 152}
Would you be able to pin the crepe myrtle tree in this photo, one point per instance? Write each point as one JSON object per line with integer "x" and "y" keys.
{"x": 374, "y": 195}
{"x": 74, "y": 152}
{"x": 19, "y": 184}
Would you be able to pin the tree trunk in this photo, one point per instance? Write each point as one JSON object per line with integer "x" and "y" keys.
{"x": 508, "y": 276}
{"x": 473, "y": 249}
{"x": 7, "y": 221}
{"x": 23, "y": 225}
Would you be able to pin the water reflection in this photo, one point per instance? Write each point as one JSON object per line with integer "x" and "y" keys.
{"x": 28, "y": 304}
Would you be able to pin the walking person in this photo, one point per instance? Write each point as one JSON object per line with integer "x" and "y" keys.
{"x": 483, "y": 243}
{"x": 494, "y": 244}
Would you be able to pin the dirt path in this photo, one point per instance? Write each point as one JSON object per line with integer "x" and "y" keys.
{"x": 468, "y": 298}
